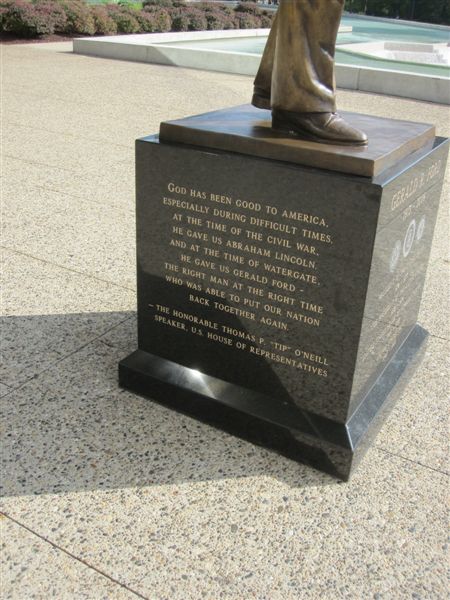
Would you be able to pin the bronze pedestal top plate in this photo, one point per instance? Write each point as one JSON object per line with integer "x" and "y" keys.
{"x": 247, "y": 130}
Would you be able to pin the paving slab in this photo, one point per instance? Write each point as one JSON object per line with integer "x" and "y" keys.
{"x": 4, "y": 389}
{"x": 434, "y": 310}
{"x": 417, "y": 428}
{"x": 49, "y": 312}
{"x": 34, "y": 569}
{"x": 440, "y": 249}
{"x": 124, "y": 86}
{"x": 113, "y": 186}
{"x": 61, "y": 150}
{"x": 72, "y": 233}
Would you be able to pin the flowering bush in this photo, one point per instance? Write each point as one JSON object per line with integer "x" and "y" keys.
{"x": 249, "y": 7}
{"x": 33, "y": 18}
{"x": 154, "y": 21}
{"x": 125, "y": 18}
{"x": 197, "y": 20}
{"x": 54, "y": 12}
{"x": 247, "y": 21}
{"x": 265, "y": 21}
{"x": 217, "y": 20}
{"x": 163, "y": 3}
{"x": 180, "y": 21}
{"x": 104, "y": 24}
{"x": 79, "y": 17}
{"x": 146, "y": 21}
{"x": 162, "y": 20}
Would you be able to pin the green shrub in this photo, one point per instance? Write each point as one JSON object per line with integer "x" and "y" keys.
{"x": 220, "y": 20}
{"x": 130, "y": 4}
{"x": 146, "y": 21}
{"x": 162, "y": 20}
{"x": 79, "y": 17}
{"x": 160, "y": 17}
{"x": 31, "y": 20}
{"x": 104, "y": 25}
{"x": 248, "y": 7}
{"x": 247, "y": 21}
{"x": 159, "y": 3}
{"x": 226, "y": 9}
{"x": 180, "y": 21}
{"x": 3, "y": 17}
{"x": 216, "y": 20}
{"x": 156, "y": 20}
{"x": 124, "y": 18}
{"x": 266, "y": 21}
{"x": 197, "y": 20}
{"x": 55, "y": 13}
{"x": 218, "y": 16}
{"x": 215, "y": 9}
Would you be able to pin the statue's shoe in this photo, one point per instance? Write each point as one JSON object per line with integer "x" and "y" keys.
{"x": 326, "y": 128}
{"x": 261, "y": 99}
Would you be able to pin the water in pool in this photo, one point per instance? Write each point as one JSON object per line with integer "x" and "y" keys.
{"x": 363, "y": 31}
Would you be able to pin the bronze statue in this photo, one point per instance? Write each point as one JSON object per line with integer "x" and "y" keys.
{"x": 296, "y": 77}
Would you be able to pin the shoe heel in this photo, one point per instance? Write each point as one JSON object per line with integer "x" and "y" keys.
{"x": 280, "y": 124}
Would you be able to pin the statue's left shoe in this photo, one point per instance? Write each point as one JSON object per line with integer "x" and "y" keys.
{"x": 261, "y": 98}
{"x": 325, "y": 128}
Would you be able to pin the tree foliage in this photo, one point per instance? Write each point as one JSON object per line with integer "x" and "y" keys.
{"x": 428, "y": 11}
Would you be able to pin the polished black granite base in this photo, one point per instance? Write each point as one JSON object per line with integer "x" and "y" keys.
{"x": 334, "y": 448}
{"x": 279, "y": 302}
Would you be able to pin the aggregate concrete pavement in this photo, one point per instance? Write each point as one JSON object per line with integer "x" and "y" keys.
{"x": 107, "y": 495}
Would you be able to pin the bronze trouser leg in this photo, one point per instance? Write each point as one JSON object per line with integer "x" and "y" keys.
{"x": 299, "y": 56}
{"x": 263, "y": 79}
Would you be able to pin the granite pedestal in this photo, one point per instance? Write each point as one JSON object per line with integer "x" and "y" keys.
{"x": 276, "y": 300}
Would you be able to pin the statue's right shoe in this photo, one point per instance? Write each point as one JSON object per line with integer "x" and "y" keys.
{"x": 261, "y": 99}
{"x": 325, "y": 128}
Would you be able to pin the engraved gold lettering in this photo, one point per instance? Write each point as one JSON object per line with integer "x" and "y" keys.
{"x": 301, "y": 318}
{"x": 193, "y": 273}
{"x": 214, "y": 292}
{"x": 295, "y": 260}
{"x": 274, "y": 323}
{"x": 229, "y": 216}
{"x": 280, "y": 298}
{"x": 199, "y": 300}
{"x": 304, "y": 217}
{"x": 216, "y": 226}
{"x": 220, "y": 199}
{"x": 186, "y": 205}
{"x": 316, "y": 236}
{"x": 234, "y": 310}
{"x": 234, "y": 258}
{"x": 170, "y": 322}
{"x": 280, "y": 227}
{"x": 215, "y": 337}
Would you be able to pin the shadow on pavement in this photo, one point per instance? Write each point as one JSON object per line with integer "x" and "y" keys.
{"x": 72, "y": 429}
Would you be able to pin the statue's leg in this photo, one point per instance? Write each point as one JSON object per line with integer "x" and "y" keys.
{"x": 303, "y": 92}
{"x": 303, "y": 67}
{"x": 263, "y": 80}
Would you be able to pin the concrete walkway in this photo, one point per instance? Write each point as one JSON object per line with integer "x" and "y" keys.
{"x": 109, "y": 496}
